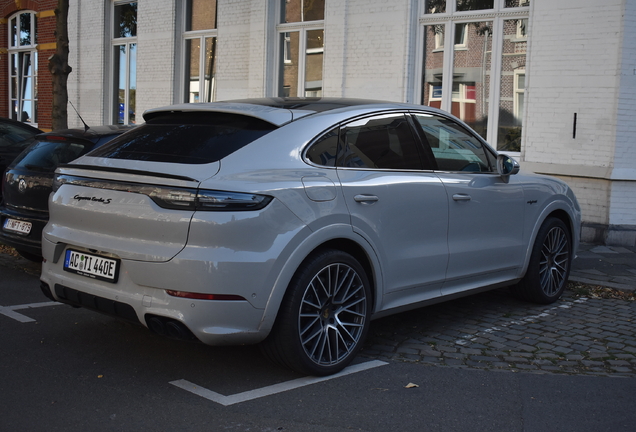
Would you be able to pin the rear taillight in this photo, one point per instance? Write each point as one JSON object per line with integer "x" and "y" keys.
{"x": 175, "y": 198}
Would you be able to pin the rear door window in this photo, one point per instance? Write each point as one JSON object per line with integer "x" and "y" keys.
{"x": 380, "y": 142}
{"x": 325, "y": 150}
{"x": 186, "y": 138}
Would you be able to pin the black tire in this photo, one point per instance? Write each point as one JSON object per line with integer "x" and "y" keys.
{"x": 30, "y": 256}
{"x": 324, "y": 316}
{"x": 549, "y": 267}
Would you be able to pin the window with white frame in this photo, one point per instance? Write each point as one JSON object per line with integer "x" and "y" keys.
{"x": 199, "y": 39}
{"x": 460, "y": 37}
{"x": 520, "y": 90}
{"x": 301, "y": 47}
{"x": 522, "y": 29}
{"x": 23, "y": 67}
{"x": 479, "y": 76}
{"x": 124, "y": 61}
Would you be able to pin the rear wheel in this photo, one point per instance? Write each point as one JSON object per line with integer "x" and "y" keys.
{"x": 549, "y": 266}
{"x": 324, "y": 317}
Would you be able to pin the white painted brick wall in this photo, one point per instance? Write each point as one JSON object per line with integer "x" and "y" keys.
{"x": 86, "y": 57}
{"x": 336, "y": 50}
{"x": 233, "y": 23}
{"x": 583, "y": 60}
{"x": 593, "y": 196}
{"x": 622, "y": 201}
{"x": 625, "y": 152}
{"x": 261, "y": 61}
{"x": 623, "y": 193}
{"x": 369, "y": 39}
{"x": 155, "y": 54}
{"x": 573, "y": 68}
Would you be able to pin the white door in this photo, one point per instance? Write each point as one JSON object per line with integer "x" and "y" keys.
{"x": 398, "y": 208}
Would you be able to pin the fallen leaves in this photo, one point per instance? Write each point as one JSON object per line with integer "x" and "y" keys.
{"x": 600, "y": 292}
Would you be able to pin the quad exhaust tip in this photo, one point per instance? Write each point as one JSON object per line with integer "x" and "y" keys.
{"x": 169, "y": 327}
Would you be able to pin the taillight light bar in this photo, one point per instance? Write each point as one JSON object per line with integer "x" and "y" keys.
{"x": 175, "y": 198}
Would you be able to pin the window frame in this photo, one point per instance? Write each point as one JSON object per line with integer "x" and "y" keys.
{"x": 20, "y": 50}
{"x": 201, "y": 36}
{"x": 117, "y": 41}
{"x": 428, "y": 163}
{"x": 283, "y": 55}
{"x": 517, "y": 92}
{"x": 448, "y": 19}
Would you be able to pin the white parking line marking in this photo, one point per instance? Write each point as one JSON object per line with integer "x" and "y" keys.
{"x": 465, "y": 339}
{"x": 9, "y": 311}
{"x": 270, "y": 390}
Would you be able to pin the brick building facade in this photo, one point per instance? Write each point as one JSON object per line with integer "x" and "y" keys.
{"x": 518, "y": 71}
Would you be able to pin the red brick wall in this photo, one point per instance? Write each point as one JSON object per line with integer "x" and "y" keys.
{"x": 45, "y": 35}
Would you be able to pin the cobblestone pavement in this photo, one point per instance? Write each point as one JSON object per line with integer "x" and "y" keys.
{"x": 494, "y": 330}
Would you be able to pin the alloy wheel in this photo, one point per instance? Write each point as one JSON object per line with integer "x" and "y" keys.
{"x": 555, "y": 261}
{"x": 332, "y": 314}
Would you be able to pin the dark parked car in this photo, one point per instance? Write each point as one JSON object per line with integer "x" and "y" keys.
{"x": 27, "y": 182}
{"x": 13, "y": 139}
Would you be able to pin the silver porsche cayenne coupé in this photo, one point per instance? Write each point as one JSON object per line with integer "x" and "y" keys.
{"x": 294, "y": 222}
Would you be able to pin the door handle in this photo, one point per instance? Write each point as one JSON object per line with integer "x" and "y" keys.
{"x": 461, "y": 197}
{"x": 365, "y": 199}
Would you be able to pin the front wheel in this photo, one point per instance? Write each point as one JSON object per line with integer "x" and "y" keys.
{"x": 324, "y": 316}
{"x": 550, "y": 262}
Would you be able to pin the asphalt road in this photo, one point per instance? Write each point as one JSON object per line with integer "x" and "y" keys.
{"x": 66, "y": 369}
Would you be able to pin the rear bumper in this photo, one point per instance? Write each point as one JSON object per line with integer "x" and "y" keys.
{"x": 213, "y": 322}
{"x": 32, "y": 242}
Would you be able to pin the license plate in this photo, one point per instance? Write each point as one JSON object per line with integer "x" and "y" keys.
{"x": 17, "y": 226}
{"x": 92, "y": 266}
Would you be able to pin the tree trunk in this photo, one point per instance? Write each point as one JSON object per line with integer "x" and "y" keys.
{"x": 59, "y": 68}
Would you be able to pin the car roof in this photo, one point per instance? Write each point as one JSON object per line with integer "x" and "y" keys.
{"x": 21, "y": 125}
{"x": 275, "y": 110}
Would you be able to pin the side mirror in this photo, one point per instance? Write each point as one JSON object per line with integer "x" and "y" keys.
{"x": 506, "y": 166}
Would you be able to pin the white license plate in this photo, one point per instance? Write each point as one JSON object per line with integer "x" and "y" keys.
{"x": 92, "y": 266}
{"x": 17, "y": 226}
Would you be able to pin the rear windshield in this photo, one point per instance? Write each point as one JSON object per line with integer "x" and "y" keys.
{"x": 10, "y": 134}
{"x": 187, "y": 138}
{"x": 46, "y": 155}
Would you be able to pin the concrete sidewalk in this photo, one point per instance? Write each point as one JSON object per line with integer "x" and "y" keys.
{"x": 610, "y": 266}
